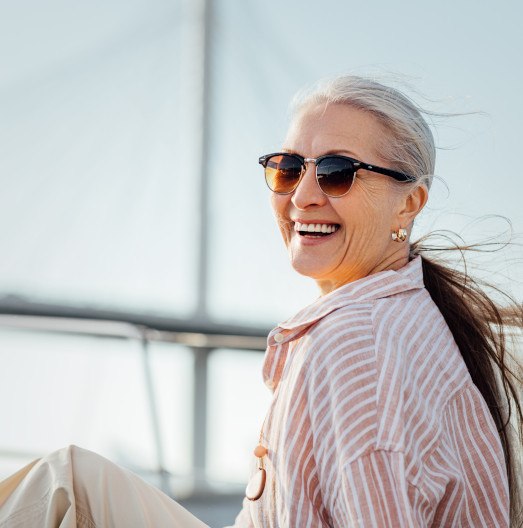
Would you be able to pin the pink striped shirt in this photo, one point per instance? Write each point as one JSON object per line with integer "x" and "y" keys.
{"x": 375, "y": 421}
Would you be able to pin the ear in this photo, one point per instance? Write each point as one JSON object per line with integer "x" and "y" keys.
{"x": 411, "y": 205}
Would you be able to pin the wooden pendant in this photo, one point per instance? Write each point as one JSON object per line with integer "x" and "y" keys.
{"x": 256, "y": 485}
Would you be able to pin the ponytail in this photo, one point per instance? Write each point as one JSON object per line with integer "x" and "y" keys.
{"x": 481, "y": 329}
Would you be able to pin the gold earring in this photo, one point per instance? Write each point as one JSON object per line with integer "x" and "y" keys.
{"x": 400, "y": 235}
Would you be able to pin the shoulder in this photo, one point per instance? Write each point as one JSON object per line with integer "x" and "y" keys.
{"x": 415, "y": 348}
{"x": 419, "y": 370}
{"x": 384, "y": 324}
{"x": 394, "y": 356}
{"x": 406, "y": 316}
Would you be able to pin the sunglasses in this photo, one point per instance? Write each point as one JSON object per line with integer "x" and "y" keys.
{"x": 334, "y": 173}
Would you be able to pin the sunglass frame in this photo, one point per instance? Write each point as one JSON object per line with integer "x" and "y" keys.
{"x": 398, "y": 176}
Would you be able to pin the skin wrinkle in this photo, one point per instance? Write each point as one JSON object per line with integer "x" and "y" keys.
{"x": 373, "y": 208}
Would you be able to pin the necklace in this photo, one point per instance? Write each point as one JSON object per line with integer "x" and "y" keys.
{"x": 256, "y": 485}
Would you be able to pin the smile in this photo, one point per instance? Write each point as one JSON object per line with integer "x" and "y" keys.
{"x": 315, "y": 230}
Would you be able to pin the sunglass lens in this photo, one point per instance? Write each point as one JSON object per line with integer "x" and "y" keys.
{"x": 335, "y": 175}
{"x": 282, "y": 173}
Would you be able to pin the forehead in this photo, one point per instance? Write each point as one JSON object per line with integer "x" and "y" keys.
{"x": 336, "y": 128}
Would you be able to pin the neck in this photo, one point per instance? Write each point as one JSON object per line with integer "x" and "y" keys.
{"x": 393, "y": 261}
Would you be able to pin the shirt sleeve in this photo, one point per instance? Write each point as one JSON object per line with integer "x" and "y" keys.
{"x": 374, "y": 492}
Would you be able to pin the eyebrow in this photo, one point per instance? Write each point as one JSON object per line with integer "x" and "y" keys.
{"x": 341, "y": 152}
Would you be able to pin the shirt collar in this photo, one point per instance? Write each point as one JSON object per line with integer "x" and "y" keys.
{"x": 370, "y": 288}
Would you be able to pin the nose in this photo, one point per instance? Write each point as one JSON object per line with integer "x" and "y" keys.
{"x": 308, "y": 192}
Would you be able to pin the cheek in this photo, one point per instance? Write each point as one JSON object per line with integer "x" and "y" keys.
{"x": 367, "y": 212}
{"x": 279, "y": 205}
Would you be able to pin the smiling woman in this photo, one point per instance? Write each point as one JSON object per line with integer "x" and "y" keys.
{"x": 387, "y": 409}
{"x": 394, "y": 395}
{"x": 369, "y": 208}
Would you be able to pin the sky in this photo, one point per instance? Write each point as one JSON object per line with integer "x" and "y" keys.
{"x": 99, "y": 150}
{"x": 100, "y": 124}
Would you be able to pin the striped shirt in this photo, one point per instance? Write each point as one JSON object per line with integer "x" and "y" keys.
{"x": 375, "y": 420}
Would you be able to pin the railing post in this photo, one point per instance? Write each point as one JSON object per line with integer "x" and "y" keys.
{"x": 165, "y": 484}
{"x": 201, "y": 361}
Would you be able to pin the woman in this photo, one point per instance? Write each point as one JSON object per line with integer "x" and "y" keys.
{"x": 386, "y": 410}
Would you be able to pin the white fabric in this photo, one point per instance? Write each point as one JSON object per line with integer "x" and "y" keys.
{"x": 74, "y": 487}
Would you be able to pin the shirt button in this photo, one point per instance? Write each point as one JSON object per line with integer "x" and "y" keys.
{"x": 279, "y": 337}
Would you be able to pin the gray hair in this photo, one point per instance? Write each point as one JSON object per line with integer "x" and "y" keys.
{"x": 409, "y": 145}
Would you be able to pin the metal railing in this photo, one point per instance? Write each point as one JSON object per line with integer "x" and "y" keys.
{"x": 201, "y": 338}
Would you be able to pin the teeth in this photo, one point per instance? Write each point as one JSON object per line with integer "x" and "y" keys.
{"x": 315, "y": 228}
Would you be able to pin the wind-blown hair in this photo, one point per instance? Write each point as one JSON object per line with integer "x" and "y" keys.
{"x": 481, "y": 328}
{"x": 410, "y": 145}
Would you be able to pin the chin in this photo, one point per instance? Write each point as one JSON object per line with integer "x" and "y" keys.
{"x": 309, "y": 269}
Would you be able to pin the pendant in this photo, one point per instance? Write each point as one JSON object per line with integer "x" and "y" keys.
{"x": 256, "y": 485}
